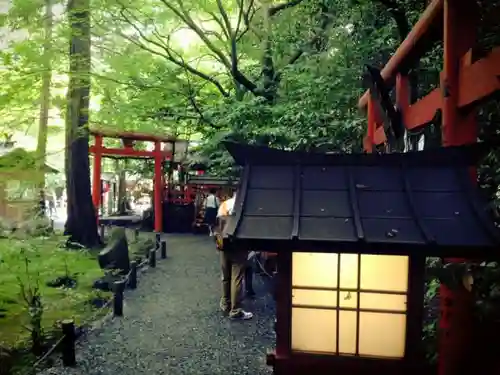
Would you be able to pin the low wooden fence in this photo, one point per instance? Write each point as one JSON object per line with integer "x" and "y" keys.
{"x": 66, "y": 345}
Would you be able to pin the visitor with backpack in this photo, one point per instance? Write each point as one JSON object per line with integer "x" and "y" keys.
{"x": 233, "y": 267}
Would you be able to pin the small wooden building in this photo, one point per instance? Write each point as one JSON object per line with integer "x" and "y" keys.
{"x": 19, "y": 175}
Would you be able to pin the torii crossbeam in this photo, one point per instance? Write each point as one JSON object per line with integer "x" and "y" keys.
{"x": 129, "y": 151}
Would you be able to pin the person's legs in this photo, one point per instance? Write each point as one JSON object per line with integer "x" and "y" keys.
{"x": 225, "y": 263}
{"x": 210, "y": 219}
{"x": 238, "y": 260}
{"x": 237, "y": 276}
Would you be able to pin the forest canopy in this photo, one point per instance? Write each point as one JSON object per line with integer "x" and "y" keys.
{"x": 270, "y": 72}
{"x": 285, "y": 73}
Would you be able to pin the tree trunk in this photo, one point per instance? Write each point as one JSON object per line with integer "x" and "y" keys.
{"x": 41, "y": 149}
{"x": 122, "y": 187}
{"x": 81, "y": 224}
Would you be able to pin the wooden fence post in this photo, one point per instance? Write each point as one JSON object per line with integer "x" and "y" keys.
{"x": 157, "y": 241}
{"x": 163, "y": 249}
{"x": 152, "y": 258}
{"x": 119, "y": 287}
{"x": 68, "y": 343}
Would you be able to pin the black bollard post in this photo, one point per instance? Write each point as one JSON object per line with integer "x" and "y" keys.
{"x": 119, "y": 287}
{"x": 132, "y": 281}
{"x": 163, "y": 249}
{"x": 157, "y": 241}
{"x": 68, "y": 343}
{"x": 152, "y": 258}
{"x": 136, "y": 234}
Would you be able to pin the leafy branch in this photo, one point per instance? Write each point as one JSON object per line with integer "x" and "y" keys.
{"x": 167, "y": 53}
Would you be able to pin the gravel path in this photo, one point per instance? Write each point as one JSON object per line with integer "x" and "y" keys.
{"x": 172, "y": 324}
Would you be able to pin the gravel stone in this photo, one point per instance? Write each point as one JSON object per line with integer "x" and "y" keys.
{"x": 172, "y": 323}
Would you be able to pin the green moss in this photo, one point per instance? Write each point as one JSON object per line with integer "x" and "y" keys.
{"x": 36, "y": 261}
{"x": 139, "y": 248}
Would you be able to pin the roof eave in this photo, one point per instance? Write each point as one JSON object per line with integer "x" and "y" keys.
{"x": 362, "y": 247}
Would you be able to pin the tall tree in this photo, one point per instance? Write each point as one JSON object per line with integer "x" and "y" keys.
{"x": 81, "y": 224}
{"x": 41, "y": 149}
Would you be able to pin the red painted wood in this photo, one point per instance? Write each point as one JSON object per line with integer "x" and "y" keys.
{"x": 158, "y": 188}
{"x": 129, "y": 152}
{"x": 457, "y": 306}
{"x": 463, "y": 85}
{"x": 133, "y": 136}
{"x": 96, "y": 176}
{"x": 307, "y": 364}
{"x": 372, "y": 125}
{"x": 478, "y": 82}
{"x": 406, "y": 51}
{"x": 402, "y": 92}
{"x": 423, "y": 111}
{"x": 284, "y": 305}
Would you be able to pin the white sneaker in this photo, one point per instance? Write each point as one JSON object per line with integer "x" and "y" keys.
{"x": 242, "y": 315}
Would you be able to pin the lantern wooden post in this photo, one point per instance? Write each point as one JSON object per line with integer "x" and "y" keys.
{"x": 158, "y": 189}
{"x": 284, "y": 306}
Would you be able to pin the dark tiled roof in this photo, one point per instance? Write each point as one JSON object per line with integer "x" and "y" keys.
{"x": 211, "y": 180}
{"x": 376, "y": 202}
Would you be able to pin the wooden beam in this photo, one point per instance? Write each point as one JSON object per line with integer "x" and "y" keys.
{"x": 127, "y": 152}
{"x": 134, "y": 136}
{"x": 432, "y": 16}
{"x": 478, "y": 82}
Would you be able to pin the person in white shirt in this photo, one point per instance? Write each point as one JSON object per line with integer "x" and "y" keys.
{"x": 211, "y": 205}
{"x": 233, "y": 265}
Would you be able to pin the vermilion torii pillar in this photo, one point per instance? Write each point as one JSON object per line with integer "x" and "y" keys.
{"x": 99, "y": 151}
{"x": 158, "y": 188}
{"x": 464, "y": 84}
{"x": 96, "y": 175}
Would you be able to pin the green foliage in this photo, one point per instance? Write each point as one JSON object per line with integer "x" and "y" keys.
{"x": 431, "y": 308}
{"x": 18, "y": 160}
{"x": 288, "y": 77}
{"x": 31, "y": 264}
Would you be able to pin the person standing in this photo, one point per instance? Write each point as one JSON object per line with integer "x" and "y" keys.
{"x": 211, "y": 205}
{"x": 233, "y": 266}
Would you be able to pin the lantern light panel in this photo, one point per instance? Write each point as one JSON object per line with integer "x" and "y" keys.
{"x": 349, "y": 304}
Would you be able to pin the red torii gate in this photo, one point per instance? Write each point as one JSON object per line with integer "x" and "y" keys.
{"x": 128, "y": 151}
{"x": 464, "y": 84}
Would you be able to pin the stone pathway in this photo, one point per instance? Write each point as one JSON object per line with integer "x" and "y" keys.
{"x": 172, "y": 324}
